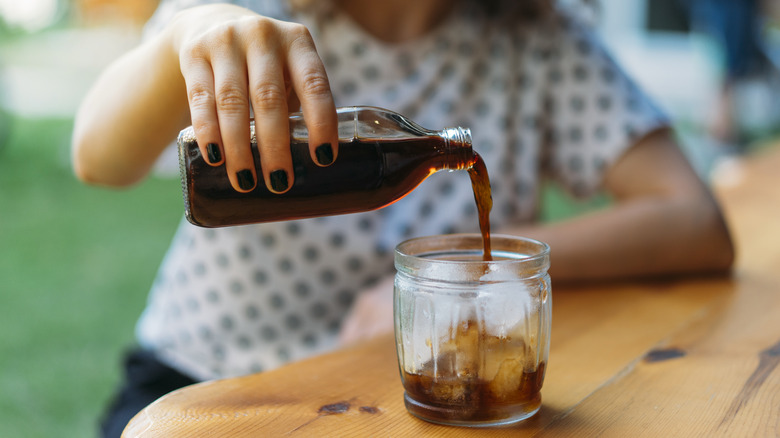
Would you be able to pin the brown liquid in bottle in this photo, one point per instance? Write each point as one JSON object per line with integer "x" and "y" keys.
{"x": 367, "y": 175}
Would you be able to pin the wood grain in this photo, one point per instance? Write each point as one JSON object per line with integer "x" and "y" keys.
{"x": 680, "y": 357}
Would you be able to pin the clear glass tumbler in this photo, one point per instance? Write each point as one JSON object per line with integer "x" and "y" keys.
{"x": 472, "y": 336}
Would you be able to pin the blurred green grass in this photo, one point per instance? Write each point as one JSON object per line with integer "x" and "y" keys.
{"x": 76, "y": 263}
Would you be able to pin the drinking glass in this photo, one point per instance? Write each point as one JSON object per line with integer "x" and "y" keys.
{"x": 472, "y": 336}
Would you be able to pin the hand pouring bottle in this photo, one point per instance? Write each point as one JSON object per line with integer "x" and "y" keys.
{"x": 382, "y": 157}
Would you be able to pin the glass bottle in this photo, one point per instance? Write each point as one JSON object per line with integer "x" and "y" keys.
{"x": 382, "y": 157}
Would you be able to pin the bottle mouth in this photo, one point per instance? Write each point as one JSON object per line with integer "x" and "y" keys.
{"x": 457, "y": 137}
{"x": 459, "y": 149}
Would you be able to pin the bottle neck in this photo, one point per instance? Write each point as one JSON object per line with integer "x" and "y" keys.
{"x": 457, "y": 147}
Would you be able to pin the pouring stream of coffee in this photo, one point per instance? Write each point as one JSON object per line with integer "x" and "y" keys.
{"x": 480, "y": 183}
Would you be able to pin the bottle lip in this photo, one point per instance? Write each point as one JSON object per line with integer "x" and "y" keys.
{"x": 460, "y": 154}
{"x": 457, "y": 136}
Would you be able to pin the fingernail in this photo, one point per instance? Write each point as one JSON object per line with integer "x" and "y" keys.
{"x": 324, "y": 153}
{"x": 215, "y": 156}
{"x": 245, "y": 179}
{"x": 279, "y": 180}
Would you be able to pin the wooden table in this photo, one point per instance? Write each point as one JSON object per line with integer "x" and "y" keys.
{"x": 677, "y": 357}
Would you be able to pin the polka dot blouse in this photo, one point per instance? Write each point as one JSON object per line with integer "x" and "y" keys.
{"x": 543, "y": 101}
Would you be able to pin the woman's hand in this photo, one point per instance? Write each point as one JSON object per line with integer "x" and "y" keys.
{"x": 371, "y": 315}
{"x": 206, "y": 68}
{"x": 232, "y": 58}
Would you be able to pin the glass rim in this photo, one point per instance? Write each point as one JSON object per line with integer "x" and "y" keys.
{"x": 494, "y": 238}
{"x": 418, "y": 256}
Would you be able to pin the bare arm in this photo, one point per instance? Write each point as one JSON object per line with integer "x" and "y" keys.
{"x": 131, "y": 113}
{"x": 664, "y": 221}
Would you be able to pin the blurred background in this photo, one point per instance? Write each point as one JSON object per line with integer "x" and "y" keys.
{"x": 76, "y": 262}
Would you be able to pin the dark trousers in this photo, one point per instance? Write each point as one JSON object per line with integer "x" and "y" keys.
{"x": 145, "y": 380}
{"x": 736, "y": 25}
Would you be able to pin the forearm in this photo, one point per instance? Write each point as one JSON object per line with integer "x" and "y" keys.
{"x": 664, "y": 221}
{"x": 642, "y": 237}
{"x": 133, "y": 111}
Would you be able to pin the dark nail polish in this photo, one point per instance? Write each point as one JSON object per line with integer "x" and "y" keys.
{"x": 279, "y": 180}
{"x": 215, "y": 156}
{"x": 245, "y": 179}
{"x": 324, "y": 153}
